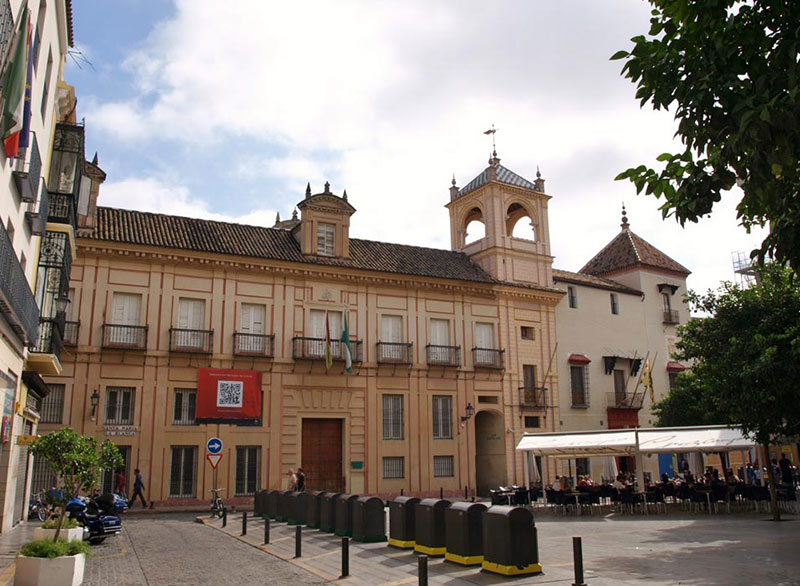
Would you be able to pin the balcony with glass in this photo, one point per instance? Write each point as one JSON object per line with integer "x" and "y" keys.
{"x": 65, "y": 173}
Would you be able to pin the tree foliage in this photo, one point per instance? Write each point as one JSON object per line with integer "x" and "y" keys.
{"x": 730, "y": 71}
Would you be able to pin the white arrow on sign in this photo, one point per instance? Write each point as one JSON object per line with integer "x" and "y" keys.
{"x": 214, "y": 459}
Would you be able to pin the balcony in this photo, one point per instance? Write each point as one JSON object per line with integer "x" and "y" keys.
{"x": 487, "y": 358}
{"x": 533, "y": 396}
{"x": 671, "y": 316}
{"x": 45, "y": 356}
{"x": 262, "y": 345}
{"x": 26, "y": 178}
{"x": 394, "y": 353}
{"x": 17, "y": 303}
{"x": 124, "y": 337}
{"x": 314, "y": 349}
{"x": 191, "y": 341}
{"x": 625, "y": 400}
{"x": 443, "y": 355}
{"x": 71, "y": 329}
{"x": 38, "y": 220}
{"x": 6, "y": 30}
{"x": 61, "y": 209}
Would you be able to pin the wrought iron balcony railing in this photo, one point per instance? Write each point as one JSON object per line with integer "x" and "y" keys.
{"x": 443, "y": 355}
{"x": 61, "y": 209}
{"x": 191, "y": 341}
{"x": 487, "y": 358}
{"x": 671, "y": 316}
{"x": 254, "y": 344}
{"x": 38, "y": 220}
{"x": 29, "y": 171}
{"x": 625, "y": 400}
{"x": 50, "y": 337}
{"x": 314, "y": 349}
{"x": 6, "y": 30}
{"x": 118, "y": 336}
{"x": 71, "y": 329}
{"x": 533, "y": 396}
{"x": 17, "y": 303}
{"x": 394, "y": 353}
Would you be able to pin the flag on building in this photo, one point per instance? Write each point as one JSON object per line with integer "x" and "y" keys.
{"x": 346, "y": 350}
{"x": 24, "y": 136}
{"x": 14, "y": 89}
{"x": 647, "y": 380}
{"x": 328, "y": 349}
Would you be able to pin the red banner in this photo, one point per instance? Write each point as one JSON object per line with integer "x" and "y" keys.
{"x": 228, "y": 395}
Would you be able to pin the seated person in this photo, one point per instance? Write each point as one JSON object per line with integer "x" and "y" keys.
{"x": 584, "y": 481}
{"x": 619, "y": 483}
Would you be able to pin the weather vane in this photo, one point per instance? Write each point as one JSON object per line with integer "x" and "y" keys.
{"x": 492, "y": 131}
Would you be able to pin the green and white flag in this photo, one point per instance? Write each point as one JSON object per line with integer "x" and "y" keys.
{"x": 347, "y": 352}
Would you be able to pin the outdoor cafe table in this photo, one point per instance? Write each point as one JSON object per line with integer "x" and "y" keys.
{"x": 570, "y": 495}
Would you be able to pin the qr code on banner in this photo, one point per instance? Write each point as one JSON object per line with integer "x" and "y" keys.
{"x": 229, "y": 393}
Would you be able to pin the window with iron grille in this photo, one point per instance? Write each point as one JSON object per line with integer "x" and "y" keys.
{"x": 393, "y": 417}
{"x": 248, "y": 469}
{"x": 443, "y": 466}
{"x": 531, "y": 421}
{"x": 394, "y": 467}
{"x": 119, "y": 405}
{"x": 183, "y": 472}
{"x": 614, "y": 303}
{"x": 572, "y": 295}
{"x": 442, "y": 417}
{"x": 579, "y": 385}
{"x": 184, "y": 408}
{"x": 53, "y": 405}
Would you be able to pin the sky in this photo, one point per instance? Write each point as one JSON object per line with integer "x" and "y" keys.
{"x": 226, "y": 110}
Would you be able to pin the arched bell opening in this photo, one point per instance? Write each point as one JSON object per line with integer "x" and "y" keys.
{"x": 520, "y": 223}
{"x": 474, "y": 226}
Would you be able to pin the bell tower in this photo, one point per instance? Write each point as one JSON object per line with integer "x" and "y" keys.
{"x": 515, "y": 246}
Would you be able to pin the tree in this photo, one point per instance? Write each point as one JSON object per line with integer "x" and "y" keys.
{"x": 76, "y": 462}
{"x": 746, "y": 361}
{"x": 730, "y": 70}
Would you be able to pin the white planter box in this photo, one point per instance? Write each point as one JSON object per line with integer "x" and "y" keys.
{"x": 75, "y": 534}
{"x": 64, "y": 571}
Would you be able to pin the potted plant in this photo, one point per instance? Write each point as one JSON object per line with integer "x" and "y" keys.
{"x": 77, "y": 463}
{"x": 70, "y": 530}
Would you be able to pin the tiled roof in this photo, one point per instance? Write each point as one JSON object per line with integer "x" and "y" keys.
{"x": 70, "y": 30}
{"x": 627, "y": 250}
{"x": 175, "y": 232}
{"x": 592, "y": 281}
{"x": 503, "y": 175}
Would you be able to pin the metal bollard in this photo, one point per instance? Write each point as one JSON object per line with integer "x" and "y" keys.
{"x": 298, "y": 540}
{"x": 266, "y": 530}
{"x": 441, "y": 492}
{"x": 224, "y": 517}
{"x": 244, "y": 523}
{"x": 401, "y": 492}
{"x": 423, "y": 570}
{"x": 345, "y": 557}
{"x": 465, "y": 493}
{"x": 577, "y": 555}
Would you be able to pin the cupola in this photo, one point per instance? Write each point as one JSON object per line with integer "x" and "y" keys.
{"x": 324, "y": 227}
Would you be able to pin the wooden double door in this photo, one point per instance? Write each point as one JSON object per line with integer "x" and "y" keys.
{"x": 322, "y": 454}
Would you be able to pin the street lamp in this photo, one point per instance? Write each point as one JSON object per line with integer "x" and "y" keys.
{"x": 61, "y": 303}
{"x": 95, "y": 399}
{"x": 470, "y": 412}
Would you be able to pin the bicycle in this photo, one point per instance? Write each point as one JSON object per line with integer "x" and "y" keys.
{"x": 217, "y": 506}
{"x": 39, "y": 506}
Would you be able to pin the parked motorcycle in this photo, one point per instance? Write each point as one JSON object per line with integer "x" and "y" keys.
{"x": 98, "y": 516}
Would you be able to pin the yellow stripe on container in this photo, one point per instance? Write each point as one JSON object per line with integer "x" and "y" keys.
{"x": 468, "y": 560}
{"x": 511, "y": 570}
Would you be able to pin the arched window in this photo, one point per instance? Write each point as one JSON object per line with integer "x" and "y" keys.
{"x": 520, "y": 223}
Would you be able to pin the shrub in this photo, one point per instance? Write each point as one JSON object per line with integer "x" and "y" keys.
{"x": 45, "y": 548}
{"x": 52, "y": 523}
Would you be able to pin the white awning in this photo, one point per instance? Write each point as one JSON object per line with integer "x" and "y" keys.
{"x": 597, "y": 443}
{"x": 693, "y": 440}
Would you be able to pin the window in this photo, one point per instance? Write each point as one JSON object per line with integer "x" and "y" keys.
{"x": 125, "y": 312}
{"x": 667, "y": 303}
{"x": 484, "y": 335}
{"x": 614, "y": 303}
{"x": 579, "y": 385}
{"x": 391, "y": 347}
{"x": 184, "y": 407}
{"x": 582, "y": 467}
{"x": 442, "y": 417}
{"x": 391, "y": 328}
{"x": 46, "y": 88}
{"x": 531, "y": 421}
{"x": 248, "y": 469}
{"x": 37, "y": 42}
{"x": 443, "y": 466}
{"x": 392, "y": 417}
{"x": 572, "y": 296}
{"x": 316, "y": 347}
{"x": 251, "y": 329}
{"x": 619, "y": 383}
{"x": 440, "y": 352}
{"x": 325, "y": 239}
{"x": 394, "y": 467}
{"x": 119, "y": 405}
{"x": 488, "y": 399}
{"x": 183, "y": 472}
{"x": 528, "y": 376}
{"x": 673, "y": 379}
{"x": 53, "y": 405}
{"x": 191, "y": 316}
{"x": 527, "y": 333}
{"x": 84, "y": 193}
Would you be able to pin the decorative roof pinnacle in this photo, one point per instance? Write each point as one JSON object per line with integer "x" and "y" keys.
{"x": 327, "y": 187}
{"x": 538, "y": 175}
{"x": 294, "y": 214}
{"x": 344, "y": 195}
{"x": 277, "y": 217}
{"x": 624, "y": 225}
{"x": 308, "y": 190}
{"x": 453, "y": 182}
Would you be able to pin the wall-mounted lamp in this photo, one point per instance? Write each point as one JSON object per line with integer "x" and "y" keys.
{"x": 95, "y": 399}
{"x": 470, "y": 412}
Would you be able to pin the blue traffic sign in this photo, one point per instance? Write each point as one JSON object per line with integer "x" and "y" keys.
{"x": 214, "y": 445}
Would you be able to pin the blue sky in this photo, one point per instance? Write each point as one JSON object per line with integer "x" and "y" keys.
{"x": 226, "y": 109}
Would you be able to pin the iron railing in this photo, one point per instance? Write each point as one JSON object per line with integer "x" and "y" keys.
{"x": 671, "y": 316}
{"x": 38, "y": 220}
{"x": 17, "y": 303}
{"x": 192, "y": 341}
{"x": 254, "y": 344}
{"x": 314, "y": 349}
{"x": 6, "y": 31}
{"x": 61, "y": 209}
{"x": 625, "y": 400}
{"x": 26, "y": 178}
{"x": 51, "y": 336}
{"x": 533, "y": 396}
{"x": 394, "y": 353}
{"x": 124, "y": 337}
{"x": 71, "y": 329}
{"x": 443, "y": 355}
{"x": 487, "y": 358}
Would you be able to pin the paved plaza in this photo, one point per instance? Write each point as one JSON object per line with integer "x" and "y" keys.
{"x": 174, "y": 549}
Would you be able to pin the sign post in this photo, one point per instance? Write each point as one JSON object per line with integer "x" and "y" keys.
{"x": 214, "y": 455}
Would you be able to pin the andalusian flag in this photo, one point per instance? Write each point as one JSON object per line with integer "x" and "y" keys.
{"x": 14, "y": 89}
{"x": 347, "y": 352}
{"x": 647, "y": 380}
{"x": 328, "y": 350}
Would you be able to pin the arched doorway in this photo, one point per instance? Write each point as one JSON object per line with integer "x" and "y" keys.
{"x": 490, "y": 451}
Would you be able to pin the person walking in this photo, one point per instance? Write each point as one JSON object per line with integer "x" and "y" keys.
{"x": 138, "y": 489}
{"x": 785, "y": 466}
{"x": 292, "y": 480}
{"x": 301, "y": 480}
